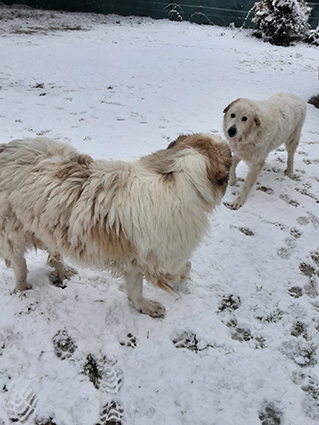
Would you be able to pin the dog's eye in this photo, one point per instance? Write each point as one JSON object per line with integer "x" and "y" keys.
{"x": 244, "y": 119}
{"x": 232, "y": 116}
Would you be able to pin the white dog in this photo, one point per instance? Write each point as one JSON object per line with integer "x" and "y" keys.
{"x": 254, "y": 128}
{"x": 137, "y": 219}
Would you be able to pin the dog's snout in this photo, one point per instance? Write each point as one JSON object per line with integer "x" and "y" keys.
{"x": 232, "y": 131}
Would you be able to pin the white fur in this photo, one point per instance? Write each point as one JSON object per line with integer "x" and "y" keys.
{"x": 121, "y": 216}
{"x": 267, "y": 124}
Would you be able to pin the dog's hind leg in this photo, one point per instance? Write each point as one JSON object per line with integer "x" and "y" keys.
{"x": 61, "y": 271}
{"x": 291, "y": 147}
{"x": 185, "y": 271}
{"x": 134, "y": 288}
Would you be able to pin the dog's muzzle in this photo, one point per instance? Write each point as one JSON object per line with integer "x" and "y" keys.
{"x": 232, "y": 131}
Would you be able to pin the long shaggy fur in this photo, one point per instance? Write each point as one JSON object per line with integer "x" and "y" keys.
{"x": 136, "y": 219}
{"x": 254, "y": 128}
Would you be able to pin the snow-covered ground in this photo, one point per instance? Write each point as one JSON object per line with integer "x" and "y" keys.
{"x": 240, "y": 343}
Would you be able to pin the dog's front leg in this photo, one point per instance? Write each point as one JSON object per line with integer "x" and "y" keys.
{"x": 232, "y": 172}
{"x": 134, "y": 288}
{"x": 253, "y": 173}
{"x": 19, "y": 266}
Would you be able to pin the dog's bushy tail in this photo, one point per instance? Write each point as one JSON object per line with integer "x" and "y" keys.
{"x": 160, "y": 282}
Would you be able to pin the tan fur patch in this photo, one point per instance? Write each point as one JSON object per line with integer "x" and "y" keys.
{"x": 114, "y": 245}
{"x": 161, "y": 281}
{"x": 160, "y": 162}
{"x": 77, "y": 168}
{"x": 217, "y": 153}
{"x": 230, "y": 105}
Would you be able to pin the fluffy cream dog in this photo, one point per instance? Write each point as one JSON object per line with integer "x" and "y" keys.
{"x": 254, "y": 128}
{"x": 136, "y": 219}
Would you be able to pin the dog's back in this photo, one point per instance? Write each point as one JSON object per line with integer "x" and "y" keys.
{"x": 292, "y": 107}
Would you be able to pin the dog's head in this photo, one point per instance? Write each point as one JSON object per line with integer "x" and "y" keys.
{"x": 204, "y": 160}
{"x": 241, "y": 118}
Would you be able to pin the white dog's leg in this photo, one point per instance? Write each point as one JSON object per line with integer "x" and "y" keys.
{"x": 134, "y": 288}
{"x": 185, "y": 271}
{"x": 19, "y": 266}
{"x": 253, "y": 173}
{"x": 291, "y": 149}
{"x": 61, "y": 271}
{"x": 232, "y": 172}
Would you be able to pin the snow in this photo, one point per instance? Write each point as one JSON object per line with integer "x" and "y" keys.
{"x": 240, "y": 343}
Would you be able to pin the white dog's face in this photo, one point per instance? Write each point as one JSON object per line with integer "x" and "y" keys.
{"x": 240, "y": 119}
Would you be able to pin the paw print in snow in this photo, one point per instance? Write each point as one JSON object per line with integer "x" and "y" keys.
{"x": 230, "y": 303}
{"x": 295, "y": 292}
{"x": 311, "y": 400}
{"x": 299, "y": 329}
{"x": 270, "y": 414}
{"x": 241, "y": 334}
{"x": 64, "y": 346}
{"x": 186, "y": 340}
{"x": 131, "y": 342}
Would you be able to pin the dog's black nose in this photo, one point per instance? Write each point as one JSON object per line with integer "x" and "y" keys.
{"x": 232, "y": 131}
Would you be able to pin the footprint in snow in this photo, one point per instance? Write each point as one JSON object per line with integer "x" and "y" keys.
{"x": 131, "y": 341}
{"x": 64, "y": 346}
{"x": 111, "y": 413}
{"x": 112, "y": 378}
{"x": 105, "y": 375}
{"x": 270, "y": 414}
{"x": 21, "y": 403}
{"x": 186, "y": 340}
{"x": 295, "y": 292}
{"x": 299, "y": 329}
{"x": 310, "y": 385}
{"x": 229, "y": 303}
{"x": 311, "y": 400}
{"x": 241, "y": 334}
{"x": 265, "y": 189}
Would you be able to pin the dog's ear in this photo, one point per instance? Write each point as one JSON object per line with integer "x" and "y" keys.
{"x": 257, "y": 120}
{"x": 229, "y": 106}
{"x": 178, "y": 140}
{"x": 160, "y": 162}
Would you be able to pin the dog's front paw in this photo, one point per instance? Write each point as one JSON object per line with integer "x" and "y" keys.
{"x": 289, "y": 174}
{"x": 21, "y": 286}
{"x": 69, "y": 272}
{"x": 64, "y": 273}
{"x": 152, "y": 308}
{"x": 238, "y": 203}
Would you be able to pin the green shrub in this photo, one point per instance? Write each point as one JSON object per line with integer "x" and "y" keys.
{"x": 281, "y": 22}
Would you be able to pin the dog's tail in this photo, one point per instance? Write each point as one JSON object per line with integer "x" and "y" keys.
{"x": 166, "y": 287}
{"x": 160, "y": 282}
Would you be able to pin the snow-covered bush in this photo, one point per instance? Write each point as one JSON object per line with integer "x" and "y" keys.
{"x": 312, "y": 37}
{"x": 281, "y": 22}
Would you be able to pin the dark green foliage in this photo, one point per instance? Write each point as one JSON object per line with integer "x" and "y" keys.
{"x": 281, "y": 22}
